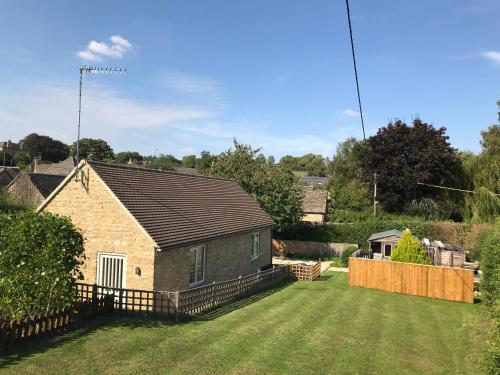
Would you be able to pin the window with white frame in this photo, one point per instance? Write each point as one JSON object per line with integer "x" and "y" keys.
{"x": 255, "y": 245}
{"x": 197, "y": 265}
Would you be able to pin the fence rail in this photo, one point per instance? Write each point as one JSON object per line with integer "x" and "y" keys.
{"x": 452, "y": 284}
{"x": 186, "y": 302}
{"x": 14, "y": 332}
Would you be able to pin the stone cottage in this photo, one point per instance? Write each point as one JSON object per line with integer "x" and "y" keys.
{"x": 150, "y": 229}
{"x": 314, "y": 205}
{"x": 32, "y": 188}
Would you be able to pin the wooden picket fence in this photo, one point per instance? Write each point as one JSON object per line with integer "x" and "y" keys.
{"x": 303, "y": 271}
{"x": 447, "y": 283}
{"x": 14, "y": 332}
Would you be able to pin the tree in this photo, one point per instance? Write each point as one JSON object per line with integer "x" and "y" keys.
{"x": 124, "y": 156}
{"x": 348, "y": 188}
{"x": 189, "y": 161}
{"x": 409, "y": 250}
{"x": 22, "y": 160}
{"x": 482, "y": 175}
{"x": 204, "y": 162}
{"x": 5, "y": 159}
{"x": 44, "y": 146}
{"x": 271, "y": 160}
{"x": 96, "y": 148}
{"x": 275, "y": 188}
{"x": 311, "y": 164}
{"x": 163, "y": 162}
{"x": 402, "y": 156}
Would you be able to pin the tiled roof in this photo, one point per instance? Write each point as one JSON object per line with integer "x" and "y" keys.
{"x": 177, "y": 209}
{"x": 61, "y": 169}
{"x": 314, "y": 200}
{"x": 45, "y": 183}
{"x": 7, "y": 174}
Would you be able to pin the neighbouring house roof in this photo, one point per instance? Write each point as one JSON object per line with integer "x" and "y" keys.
{"x": 61, "y": 169}
{"x": 185, "y": 170}
{"x": 45, "y": 183}
{"x": 314, "y": 200}
{"x": 313, "y": 180}
{"x": 178, "y": 209}
{"x": 387, "y": 233}
{"x": 7, "y": 174}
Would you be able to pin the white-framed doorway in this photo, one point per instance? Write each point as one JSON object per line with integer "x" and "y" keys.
{"x": 111, "y": 270}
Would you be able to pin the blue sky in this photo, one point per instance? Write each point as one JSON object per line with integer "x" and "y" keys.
{"x": 276, "y": 74}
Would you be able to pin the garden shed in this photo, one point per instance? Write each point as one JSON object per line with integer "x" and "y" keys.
{"x": 445, "y": 254}
{"x": 381, "y": 244}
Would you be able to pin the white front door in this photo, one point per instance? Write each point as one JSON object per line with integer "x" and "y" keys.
{"x": 111, "y": 270}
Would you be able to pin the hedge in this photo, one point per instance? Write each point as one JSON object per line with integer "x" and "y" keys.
{"x": 40, "y": 258}
{"x": 489, "y": 243}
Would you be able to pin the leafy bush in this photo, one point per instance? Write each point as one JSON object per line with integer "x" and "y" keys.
{"x": 40, "y": 259}
{"x": 348, "y": 251}
{"x": 409, "y": 250}
{"x": 355, "y": 233}
{"x": 490, "y": 288}
{"x": 7, "y": 203}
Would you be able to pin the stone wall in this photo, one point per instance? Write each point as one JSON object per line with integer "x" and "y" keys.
{"x": 22, "y": 190}
{"x": 309, "y": 249}
{"x": 107, "y": 227}
{"x": 225, "y": 258}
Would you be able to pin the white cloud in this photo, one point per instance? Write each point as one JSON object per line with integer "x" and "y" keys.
{"x": 96, "y": 51}
{"x": 492, "y": 56}
{"x": 350, "y": 113}
{"x": 190, "y": 84}
{"x": 52, "y": 109}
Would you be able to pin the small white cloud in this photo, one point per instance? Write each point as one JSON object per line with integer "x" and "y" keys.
{"x": 95, "y": 51}
{"x": 350, "y": 113}
{"x": 492, "y": 56}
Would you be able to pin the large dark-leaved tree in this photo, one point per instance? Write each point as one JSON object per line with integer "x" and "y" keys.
{"x": 45, "y": 147}
{"x": 274, "y": 187}
{"x": 403, "y": 155}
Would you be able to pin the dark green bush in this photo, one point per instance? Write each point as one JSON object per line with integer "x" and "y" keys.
{"x": 346, "y": 253}
{"x": 355, "y": 233}
{"x": 40, "y": 259}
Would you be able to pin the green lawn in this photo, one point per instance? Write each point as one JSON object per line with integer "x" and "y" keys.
{"x": 319, "y": 327}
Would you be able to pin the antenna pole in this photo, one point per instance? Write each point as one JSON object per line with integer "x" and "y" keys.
{"x": 79, "y": 116}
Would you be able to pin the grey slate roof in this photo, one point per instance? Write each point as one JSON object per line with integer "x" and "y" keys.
{"x": 387, "y": 233}
{"x": 179, "y": 209}
{"x": 45, "y": 183}
{"x": 7, "y": 174}
{"x": 61, "y": 169}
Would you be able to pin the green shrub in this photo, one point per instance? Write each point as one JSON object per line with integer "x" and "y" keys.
{"x": 7, "y": 203}
{"x": 40, "y": 259}
{"x": 409, "y": 250}
{"x": 344, "y": 258}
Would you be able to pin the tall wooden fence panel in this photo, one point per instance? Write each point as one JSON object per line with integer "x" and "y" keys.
{"x": 452, "y": 284}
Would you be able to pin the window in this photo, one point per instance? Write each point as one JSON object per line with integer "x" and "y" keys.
{"x": 197, "y": 265}
{"x": 255, "y": 245}
{"x": 111, "y": 270}
{"x": 388, "y": 250}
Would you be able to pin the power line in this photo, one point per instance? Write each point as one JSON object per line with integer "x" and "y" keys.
{"x": 450, "y": 188}
{"x": 355, "y": 68}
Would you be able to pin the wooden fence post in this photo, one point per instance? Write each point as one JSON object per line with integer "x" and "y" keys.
{"x": 176, "y": 307}
{"x": 120, "y": 300}
{"x": 213, "y": 293}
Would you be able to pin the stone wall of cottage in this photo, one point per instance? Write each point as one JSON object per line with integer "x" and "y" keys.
{"x": 24, "y": 191}
{"x": 225, "y": 258}
{"x": 107, "y": 227}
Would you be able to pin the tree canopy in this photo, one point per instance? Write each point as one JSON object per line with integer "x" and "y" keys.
{"x": 311, "y": 164}
{"x": 402, "y": 156}
{"x": 274, "y": 187}
{"x": 97, "y": 148}
{"x": 124, "y": 156}
{"x": 45, "y": 146}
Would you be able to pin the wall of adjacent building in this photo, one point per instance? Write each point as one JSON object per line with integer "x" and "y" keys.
{"x": 225, "y": 258}
{"x": 107, "y": 227}
{"x": 23, "y": 190}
